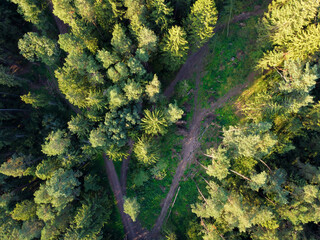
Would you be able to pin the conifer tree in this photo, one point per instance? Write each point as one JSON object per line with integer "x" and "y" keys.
{"x": 35, "y": 99}
{"x": 8, "y": 79}
{"x": 145, "y": 151}
{"x": 38, "y": 48}
{"x": 131, "y": 207}
{"x": 120, "y": 41}
{"x": 289, "y": 29}
{"x": 175, "y": 48}
{"x": 33, "y": 11}
{"x": 154, "y": 122}
{"x": 153, "y": 88}
{"x": 56, "y": 143}
{"x": 161, "y": 14}
{"x": 201, "y": 20}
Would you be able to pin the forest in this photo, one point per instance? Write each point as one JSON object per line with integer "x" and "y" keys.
{"x": 160, "y": 119}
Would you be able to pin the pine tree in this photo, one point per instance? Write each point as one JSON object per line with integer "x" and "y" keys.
{"x": 136, "y": 67}
{"x": 35, "y": 99}
{"x": 174, "y": 113}
{"x": 154, "y": 122}
{"x": 133, "y": 90}
{"x": 18, "y": 165}
{"x": 33, "y": 12}
{"x": 107, "y": 58}
{"x": 147, "y": 39}
{"x": 24, "y": 210}
{"x": 201, "y": 21}
{"x": 38, "y": 48}
{"x": 79, "y": 125}
{"x": 8, "y": 79}
{"x": 120, "y": 41}
{"x": 175, "y": 48}
{"x": 131, "y": 207}
{"x": 161, "y": 14}
{"x": 61, "y": 189}
{"x": 97, "y": 137}
{"x": 56, "y": 143}
{"x": 289, "y": 29}
{"x": 153, "y": 88}
{"x": 115, "y": 97}
{"x": 145, "y": 151}
{"x": 90, "y": 218}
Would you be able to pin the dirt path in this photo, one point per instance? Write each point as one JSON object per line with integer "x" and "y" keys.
{"x": 124, "y": 169}
{"x": 191, "y": 65}
{"x": 190, "y": 143}
{"x": 133, "y": 230}
{"x": 195, "y": 65}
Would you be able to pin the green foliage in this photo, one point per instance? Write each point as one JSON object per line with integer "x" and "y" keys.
{"x": 153, "y": 88}
{"x": 95, "y": 99}
{"x": 18, "y": 165}
{"x": 46, "y": 169}
{"x": 35, "y": 99}
{"x": 140, "y": 178}
{"x": 115, "y": 97}
{"x": 120, "y": 41}
{"x": 38, "y": 48}
{"x": 201, "y": 20}
{"x": 56, "y": 143}
{"x": 97, "y": 137}
{"x": 220, "y": 163}
{"x": 71, "y": 44}
{"x": 89, "y": 219}
{"x": 253, "y": 140}
{"x": 290, "y": 30}
{"x": 131, "y": 207}
{"x": 154, "y": 123}
{"x": 175, "y": 48}
{"x": 133, "y": 90}
{"x": 79, "y": 125}
{"x": 118, "y": 123}
{"x": 24, "y": 210}
{"x": 136, "y": 67}
{"x": 147, "y": 39}
{"x": 107, "y": 58}
{"x": 142, "y": 55}
{"x": 146, "y": 151}
{"x": 159, "y": 170}
{"x": 61, "y": 189}
{"x": 73, "y": 89}
{"x": 161, "y": 14}
{"x": 33, "y": 12}
{"x": 174, "y": 113}
{"x": 7, "y": 79}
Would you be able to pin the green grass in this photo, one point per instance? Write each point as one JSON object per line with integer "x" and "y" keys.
{"x": 150, "y": 194}
{"x": 226, "y": 115}
{"x": 181, "y": 213}
{"x": 231, "y": 60}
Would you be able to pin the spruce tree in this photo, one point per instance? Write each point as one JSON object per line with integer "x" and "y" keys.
{"x": 201, "y": 22}
{"x": 175, "y": 48}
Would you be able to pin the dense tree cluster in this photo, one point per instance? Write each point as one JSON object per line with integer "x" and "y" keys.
{"x": 88, "y": 90}
{"x": 263, "y": 179}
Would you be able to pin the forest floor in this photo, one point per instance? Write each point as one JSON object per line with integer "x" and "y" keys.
{"x": 195, "y": 66}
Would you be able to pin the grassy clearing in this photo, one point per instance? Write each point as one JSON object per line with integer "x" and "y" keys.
{"x": 232, "y": 58}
